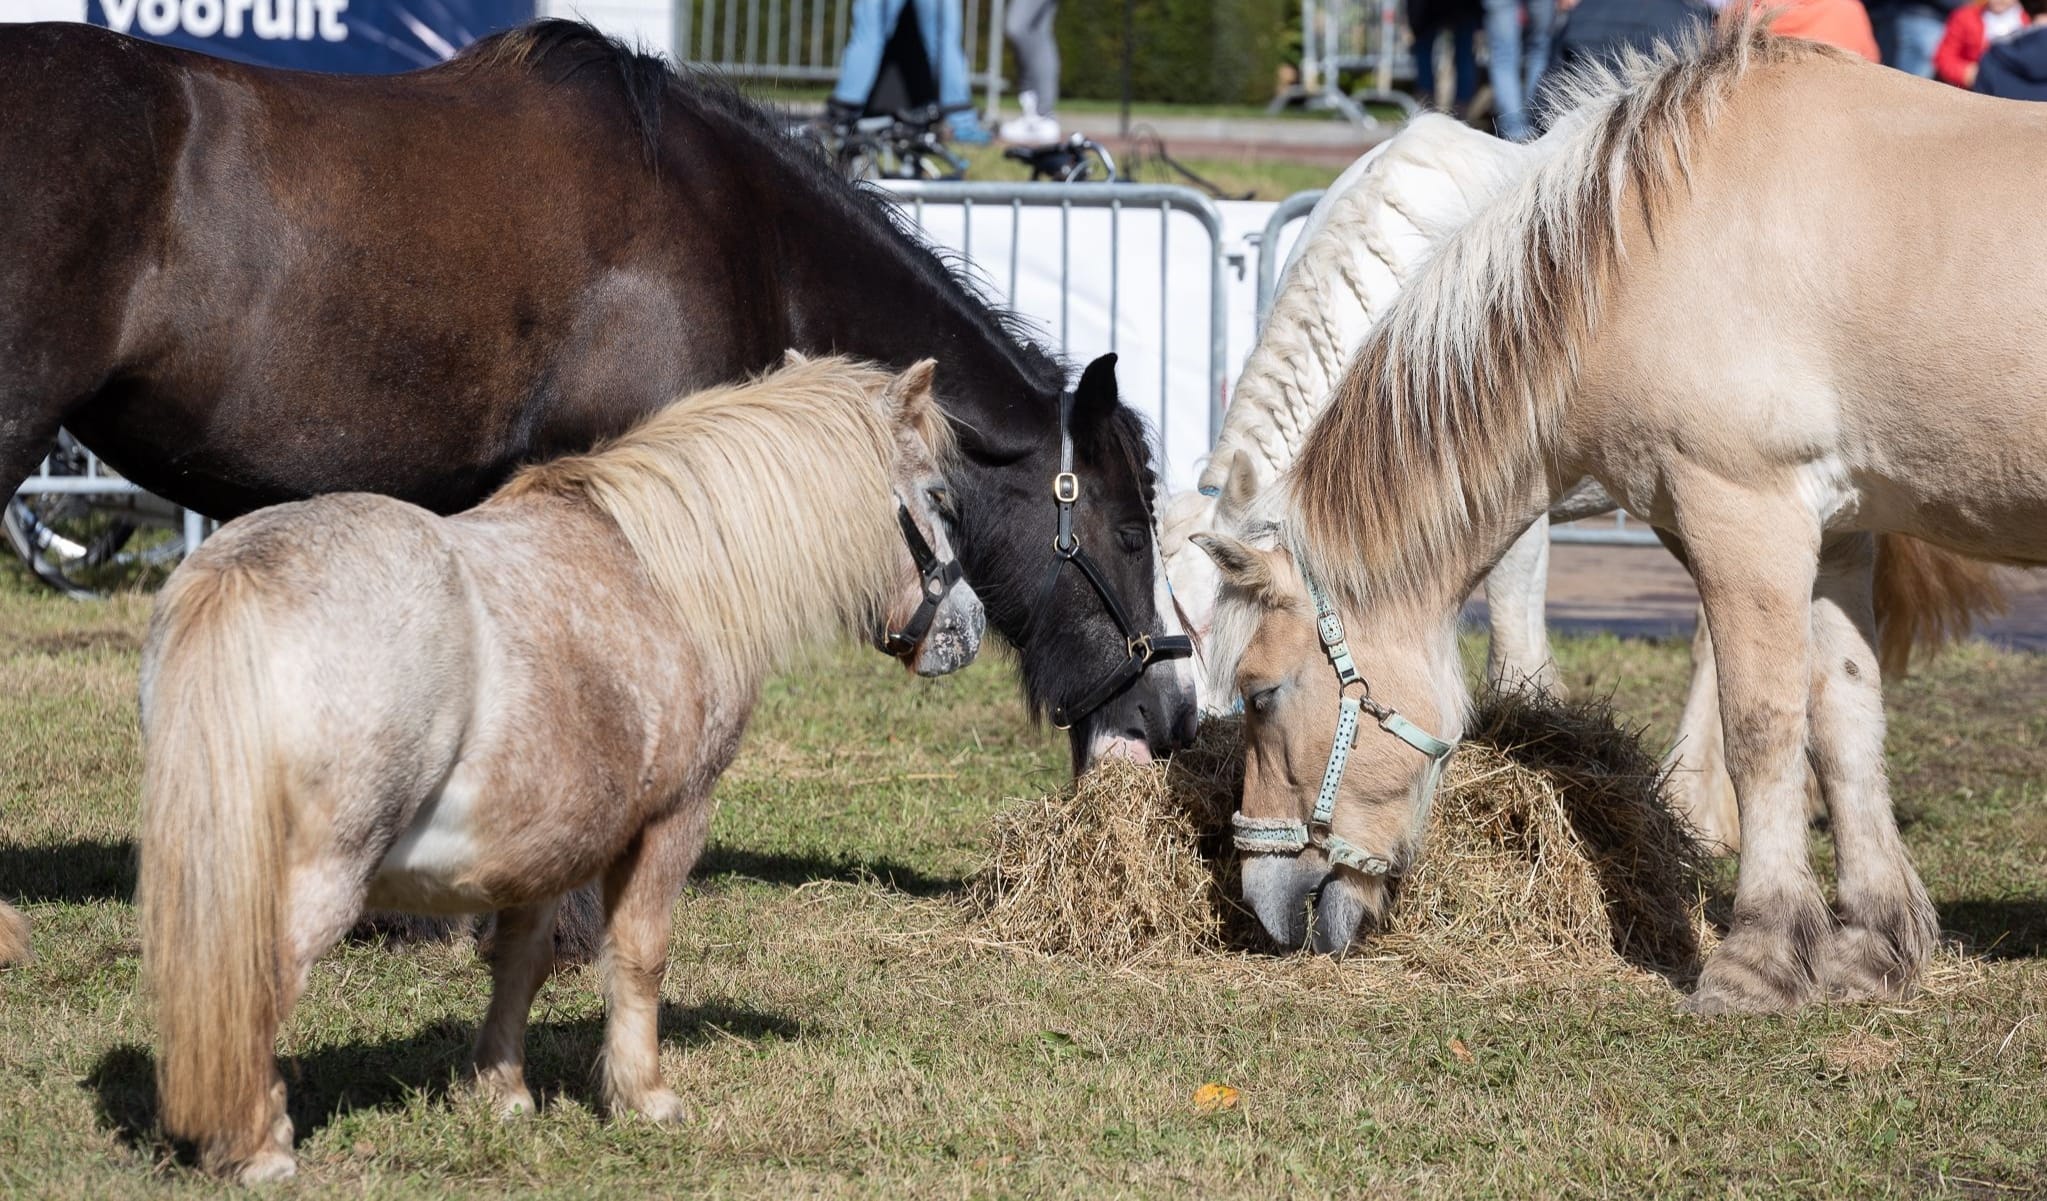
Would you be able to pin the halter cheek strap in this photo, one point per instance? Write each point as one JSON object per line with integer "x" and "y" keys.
{"x": 1285, "y": 836}
{"x": 1141, "y": 649}
{"x": 938, "y": 578}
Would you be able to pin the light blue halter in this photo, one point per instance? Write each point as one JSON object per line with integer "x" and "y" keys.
{"x": 1288, "y": 836}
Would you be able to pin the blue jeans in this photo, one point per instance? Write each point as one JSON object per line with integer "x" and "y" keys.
{"x": 1463, "y": 53}
{"x": 1907, "y": 39}
{"x": 938, "y": 27}
{"x": 1515, "y": 66}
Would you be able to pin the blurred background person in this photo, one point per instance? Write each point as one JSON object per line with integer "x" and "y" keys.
{"x": 1971, "y": 31}
{"x": 1909, "y": 31}
{"x": 938, "y": 24}
{"x": 1517, "y": 34}
{"x": 1592, "y": 31}
{"x": 1843, "y": 23}
{"x": 1459, "y": 20}
{"x": 2015, "y": 68}
{"x": 1028, "y": 26}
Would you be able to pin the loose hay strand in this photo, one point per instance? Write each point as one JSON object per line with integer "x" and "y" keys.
{"x": 1551, "y": 848}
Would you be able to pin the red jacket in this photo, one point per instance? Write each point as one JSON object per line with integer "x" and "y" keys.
{"x": 1963, "y": 45}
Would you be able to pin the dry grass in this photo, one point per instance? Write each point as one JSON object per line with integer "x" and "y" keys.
{"x": 1550, "y": 849}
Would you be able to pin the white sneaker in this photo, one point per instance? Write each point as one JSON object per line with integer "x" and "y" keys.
{"x": 1031, "y": 129}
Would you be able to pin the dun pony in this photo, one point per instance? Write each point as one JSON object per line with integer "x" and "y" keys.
{"x": 352, "y": 702}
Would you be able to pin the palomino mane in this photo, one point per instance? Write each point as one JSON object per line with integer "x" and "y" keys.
{"x": 652, "y": 90}
{"x": 1416, "y": 187}
{"x": 1453, "y": 400}
{"x": 764, "y": 511}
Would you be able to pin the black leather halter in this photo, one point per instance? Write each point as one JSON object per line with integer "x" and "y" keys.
{"x": 1141, "y": 649}
{"x": 938, "y": 575}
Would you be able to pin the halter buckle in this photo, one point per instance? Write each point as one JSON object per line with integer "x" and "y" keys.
{"x": 1138, "y": 647}
{"x": 1066, "y": 488}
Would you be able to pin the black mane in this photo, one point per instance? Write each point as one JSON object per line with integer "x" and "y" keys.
{"x": 561, "y": 51}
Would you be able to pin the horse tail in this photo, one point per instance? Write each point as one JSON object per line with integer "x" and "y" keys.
{"x": 213, "y": 829}
{"x": 1927, "y": 597}
{"x": 13, "y": 936}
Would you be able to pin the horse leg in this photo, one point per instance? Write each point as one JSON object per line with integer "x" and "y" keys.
{"x": 1758, "y": 599}
{"x": 1518, "y": 654}
{"x": 1700, "y": 787}
{"x": 1889, "y": 925}
{"x": 640, "y": 890}
{"x": 522, "y": 954}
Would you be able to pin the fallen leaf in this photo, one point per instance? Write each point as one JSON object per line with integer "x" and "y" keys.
{"x": 1214, "y": 1098}
{"x": 1462, "y": 1052}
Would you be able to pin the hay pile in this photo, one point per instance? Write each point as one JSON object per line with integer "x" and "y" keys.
{"x": 1551, "y": 845}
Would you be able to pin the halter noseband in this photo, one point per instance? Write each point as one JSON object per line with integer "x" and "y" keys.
{"x": 938, "y": 575}
{"x": 1288, "y": 836}
{"x": 1141, "y": 650}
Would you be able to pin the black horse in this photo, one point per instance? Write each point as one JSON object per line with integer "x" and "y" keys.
{"x": 239, "y": 286}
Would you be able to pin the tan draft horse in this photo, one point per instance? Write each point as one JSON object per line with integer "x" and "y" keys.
{"x": 1710, "y": 298}
{"x": 352, "y": 702}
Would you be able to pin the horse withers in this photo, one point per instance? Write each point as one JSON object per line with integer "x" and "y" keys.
{"x": 352, "y": 702}
{"x": 243, "y": 286}
{"x": 1696, "y": 299}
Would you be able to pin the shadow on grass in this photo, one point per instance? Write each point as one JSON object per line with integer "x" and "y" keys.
{"x": 2009, "y": 928}
{"x": 719, "y": 861}
{"x": 68, "y": 872}
{"x": 334, "y": 1080}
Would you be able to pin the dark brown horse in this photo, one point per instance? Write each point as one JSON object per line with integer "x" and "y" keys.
{"x": 241, "y": 286}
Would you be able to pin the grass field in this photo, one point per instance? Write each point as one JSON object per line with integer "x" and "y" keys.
{"x": 840, "y": 1032}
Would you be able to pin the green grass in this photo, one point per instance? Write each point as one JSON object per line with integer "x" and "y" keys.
{"x": 839, "y": 1034}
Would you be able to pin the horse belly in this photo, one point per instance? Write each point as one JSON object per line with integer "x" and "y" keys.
{"x": 433, "y": 867}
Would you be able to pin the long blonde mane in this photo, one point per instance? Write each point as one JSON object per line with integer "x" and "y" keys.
{"x": 1415, "y": 188}
{"x": 1456, "y": 396}
{"x": 763, "y": 511}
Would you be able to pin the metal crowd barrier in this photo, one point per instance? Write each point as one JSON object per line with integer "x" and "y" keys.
{"x": 1117, "y": 199}
{"x": 1358, "y": 36}
{"x": 799, "y": 41}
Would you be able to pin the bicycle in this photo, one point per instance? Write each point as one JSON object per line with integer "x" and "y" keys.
{"x": 81, "y": 541}
{"x": 1078, "y": 159}
{"x": 904, "y": 144}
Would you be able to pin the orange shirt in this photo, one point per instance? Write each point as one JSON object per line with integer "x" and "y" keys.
{"x": 1843, "y": 23}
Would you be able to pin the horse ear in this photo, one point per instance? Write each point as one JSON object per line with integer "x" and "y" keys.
{"x": 1240, "y": 484}
{"x": 916, "y": 403}
{"x": 793, "y": 357}
{"x": 1095, "y": 397}
{"x": 1242, "y": 566}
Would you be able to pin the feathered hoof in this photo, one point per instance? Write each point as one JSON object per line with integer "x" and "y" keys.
{"x": 1877, "y": 963}
{"x": 505, "y": 1092}
{"x": 267, "y": 1166}
{"x": 1762, "y": 968}
{"x": 662, "y": 1107}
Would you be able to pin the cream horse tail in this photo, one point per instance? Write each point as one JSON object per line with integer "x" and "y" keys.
{"x": 1927, "y": 597}
{"x": 212, "y": 859}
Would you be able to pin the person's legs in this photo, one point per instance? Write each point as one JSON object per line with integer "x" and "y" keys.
{"x": 1503, "y": 60}
{"x": 1464, "y": 54}
{"x": 940, "y": 24}
{"x": 1542, "y": 18}
{"x": 1917, "y": 36}
{"x": 1028, "y": 26}
{"x": 860, "y": 62}
{"x": 1425, "y": 64}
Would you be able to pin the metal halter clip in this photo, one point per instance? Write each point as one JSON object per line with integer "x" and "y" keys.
{"x": 1066, "y": 487}
{"x": 1139, "y": 647}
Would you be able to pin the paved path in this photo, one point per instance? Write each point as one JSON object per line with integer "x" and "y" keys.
{"x": 1643, "y": 592}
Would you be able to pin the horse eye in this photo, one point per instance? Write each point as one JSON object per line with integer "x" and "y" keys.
{"x": 941, "y": 501}
{"x": 1261, "y": 700}
{"x": 1132, "y": 537}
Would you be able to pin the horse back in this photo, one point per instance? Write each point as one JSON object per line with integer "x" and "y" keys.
{"x": 401, "y": 284}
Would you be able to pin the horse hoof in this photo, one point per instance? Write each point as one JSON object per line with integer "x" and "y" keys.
{"x": 1865, "y": 965}
{"x": 511, "y": 1107}
{"x": 1751, "y": 978}
{"x": 662, "y": 1107}
{"x": 266, "y": 1166}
